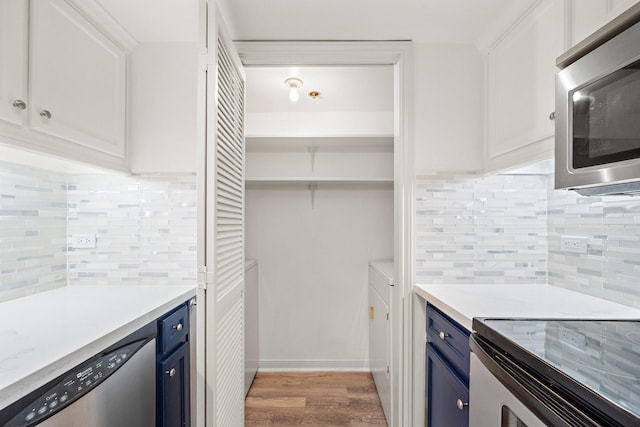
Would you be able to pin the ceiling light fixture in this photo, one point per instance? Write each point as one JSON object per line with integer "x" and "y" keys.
{"x": 293, "y": 84}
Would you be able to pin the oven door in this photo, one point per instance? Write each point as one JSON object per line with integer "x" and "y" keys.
{"x": 504, "y": 393}
{"x": 492, "y": 404}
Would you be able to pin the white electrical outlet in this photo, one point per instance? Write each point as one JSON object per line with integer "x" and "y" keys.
{"x": 574, "y": 244}
{"x": 83, "y": 241}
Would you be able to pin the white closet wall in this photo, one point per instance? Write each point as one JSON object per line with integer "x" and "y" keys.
{"x": 313, "y": 270}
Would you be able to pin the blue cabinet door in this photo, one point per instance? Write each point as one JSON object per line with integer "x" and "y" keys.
{"x": 444, "y": 388}
{"x": 173, "y": 389}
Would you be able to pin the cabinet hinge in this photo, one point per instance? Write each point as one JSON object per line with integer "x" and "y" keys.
{"x": 204, "y": 277}
{"x": 387, "y": 369}
{"x": 387, "y": 316}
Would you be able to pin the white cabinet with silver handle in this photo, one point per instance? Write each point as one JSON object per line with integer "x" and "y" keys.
{"x": 62, "y": 83}
{"x": 13, "y": 61}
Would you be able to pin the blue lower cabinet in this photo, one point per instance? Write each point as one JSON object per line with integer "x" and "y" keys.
{"x": 172, "y": 369}
{"x": 447, "y": 394}
{"x": 173, "y": 383}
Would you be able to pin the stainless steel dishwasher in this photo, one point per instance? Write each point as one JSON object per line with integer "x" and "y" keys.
{"x": 115, "y": 388}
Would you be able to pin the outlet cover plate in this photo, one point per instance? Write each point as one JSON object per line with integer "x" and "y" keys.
{"x": 574, "y": 244}
{"x": 83, "y": 241}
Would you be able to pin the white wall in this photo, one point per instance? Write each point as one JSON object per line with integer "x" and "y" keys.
{"x": 313, "y": 271}
{"x": 162, "y": 107}
{"x": 448, "y": 130}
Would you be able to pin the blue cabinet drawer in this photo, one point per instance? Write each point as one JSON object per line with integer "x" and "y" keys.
{"x": 451, "y": 340}
{"x": 173, "y": 329}
{"x": 447, "y": 394}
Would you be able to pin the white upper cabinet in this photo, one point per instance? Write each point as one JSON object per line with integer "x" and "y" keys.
{"x": 586, "y": 16}
{"x": 77, "y": 79}
{"x": 74, "y": 107}
{"x": 520, "y": 87}
{"x": 13, "y": 61}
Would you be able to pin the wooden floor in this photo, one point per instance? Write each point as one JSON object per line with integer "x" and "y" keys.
{"x": 313, "y": 399}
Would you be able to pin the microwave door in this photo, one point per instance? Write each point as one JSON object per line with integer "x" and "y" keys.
{"x": 606, "y": 119}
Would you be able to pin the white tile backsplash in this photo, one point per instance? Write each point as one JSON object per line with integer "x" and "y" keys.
{"x": 33, "y": 211}
{"x": 145, "y": 227}
{"x": 476, "y": 229}
{"x": 507, "y": 228}
{"x": 611, "y": 267}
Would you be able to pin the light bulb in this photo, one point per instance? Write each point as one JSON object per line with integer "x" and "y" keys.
{"x": 293, "y": 94}
{"x": 293, "y": 83}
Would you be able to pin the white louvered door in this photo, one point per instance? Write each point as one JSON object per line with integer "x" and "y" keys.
{"x": 225, "y": 237}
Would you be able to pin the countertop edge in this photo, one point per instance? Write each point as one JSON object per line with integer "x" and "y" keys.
{"x": 450, "y": 311}
{"x": 14, "y": 391}
{"x": 463, "y": 302}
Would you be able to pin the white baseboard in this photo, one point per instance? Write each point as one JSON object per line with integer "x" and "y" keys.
{"x": 312, "y": 365}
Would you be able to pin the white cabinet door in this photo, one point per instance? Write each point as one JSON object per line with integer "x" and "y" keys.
{"x": 588, "y": 16}
{"x": 521, "y": 82}
{"x": 379, "y": 349}
{"x": 13, "y": 61}
{"x": 77, "y": 79}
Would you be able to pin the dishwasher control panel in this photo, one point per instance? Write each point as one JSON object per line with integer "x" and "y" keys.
{"x": 73, "y": 385}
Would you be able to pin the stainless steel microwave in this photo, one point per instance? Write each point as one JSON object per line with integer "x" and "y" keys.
{"x": 597, "y": 129}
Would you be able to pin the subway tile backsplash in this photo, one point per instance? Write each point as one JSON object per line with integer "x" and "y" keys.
{"x": 611, "y": 267}
{"x": 33, "y": 216}
{"x": 476, "y": 229}
{"x": 145, "y": 227}
{"x": 507, "y": 229}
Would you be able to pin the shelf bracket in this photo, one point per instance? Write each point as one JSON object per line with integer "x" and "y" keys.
{"x": 312, "y": 188}
{"x": 312, "y": 151}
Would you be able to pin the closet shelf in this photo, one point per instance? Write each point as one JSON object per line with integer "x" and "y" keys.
{"x": 319, "y": 180}
{"x": 373, "y": 143}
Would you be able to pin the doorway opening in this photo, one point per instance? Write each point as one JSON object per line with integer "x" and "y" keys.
{"x": 397, "y": 56}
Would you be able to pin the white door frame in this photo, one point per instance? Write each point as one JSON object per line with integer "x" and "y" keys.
{"x": 398, "y": 54}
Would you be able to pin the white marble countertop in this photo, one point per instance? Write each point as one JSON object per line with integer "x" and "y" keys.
{"x": 46, "y": 334}
{"x": 464, "y": 302}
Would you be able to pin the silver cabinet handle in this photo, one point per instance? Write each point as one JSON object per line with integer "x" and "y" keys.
{"x": 172, "y": 372}
{"x": 552, "y": 116}
{"x": 178, "y": 327}
{"x": 443, "y": 335}
{"x": 46, "y": 114}
{"x": 19, "y": 104}
{"x": 461, "y": 405}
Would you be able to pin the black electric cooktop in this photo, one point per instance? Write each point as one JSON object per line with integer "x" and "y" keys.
{"x": 596, "y": 361}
